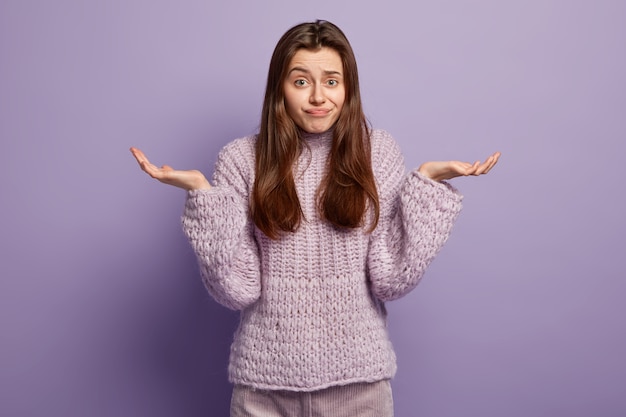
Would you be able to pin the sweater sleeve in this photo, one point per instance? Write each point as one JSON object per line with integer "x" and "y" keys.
{"x": 416, "y": 218}
{"x": 218, "y": 226}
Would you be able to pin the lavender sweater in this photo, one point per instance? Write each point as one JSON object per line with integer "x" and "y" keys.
{"x": 312, "y": 312}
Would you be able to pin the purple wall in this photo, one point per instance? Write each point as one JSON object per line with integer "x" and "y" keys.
{"x": 102, "y": 311}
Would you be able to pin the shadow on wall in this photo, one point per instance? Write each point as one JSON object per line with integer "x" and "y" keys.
{"x": 180, "y": 336}
{"x": 160, "y": 345}
{"x": 149, "y": 339}
{"x": 189, "y": 345}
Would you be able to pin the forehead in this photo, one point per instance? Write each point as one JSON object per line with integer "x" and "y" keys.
{"x": 324, "y": 59}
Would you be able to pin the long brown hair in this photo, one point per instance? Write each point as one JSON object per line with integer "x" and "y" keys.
{"x": 348, "y": 184}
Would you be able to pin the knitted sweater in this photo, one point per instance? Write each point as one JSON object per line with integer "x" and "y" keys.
{"x": 312, "y": 302}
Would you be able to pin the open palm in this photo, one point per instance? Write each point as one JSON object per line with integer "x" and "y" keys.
{"x": 445, "y": 170}
{"x": 188, "y": 179}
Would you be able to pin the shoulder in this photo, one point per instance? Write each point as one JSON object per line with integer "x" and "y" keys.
{"x": 387, "y": 165}
{"x": 236, "y": 159}
{"x": 242, "y": 147}
{"x": 386, "y": 153}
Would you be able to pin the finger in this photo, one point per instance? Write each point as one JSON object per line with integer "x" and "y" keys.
{"x": 473, "y": 168}
{"x": 488, "y": 168}
{"x": 139, "y": 156}
{"x": 494, "y": 161}
{"x": 150, "y": 169}
{"x": 484, "y": 166}
{"x": 137, "y": 153}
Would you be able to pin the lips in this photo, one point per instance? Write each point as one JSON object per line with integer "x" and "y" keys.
{"x": 317, "y": 112}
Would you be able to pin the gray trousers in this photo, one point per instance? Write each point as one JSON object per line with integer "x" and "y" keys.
{"x": 354, "y": 400}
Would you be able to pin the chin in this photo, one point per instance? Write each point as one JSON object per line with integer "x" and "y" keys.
{"x": 317, "y": 128}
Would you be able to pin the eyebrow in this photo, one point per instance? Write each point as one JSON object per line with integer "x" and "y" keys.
{"x": 306, "y": 71}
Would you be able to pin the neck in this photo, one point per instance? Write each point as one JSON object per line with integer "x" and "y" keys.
{"x": 323, "y": 136}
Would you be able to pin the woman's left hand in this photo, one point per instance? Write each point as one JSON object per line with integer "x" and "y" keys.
{"x": 445, "y": 170}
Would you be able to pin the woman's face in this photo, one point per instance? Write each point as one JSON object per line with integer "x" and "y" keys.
{"x": 314, "y": 89}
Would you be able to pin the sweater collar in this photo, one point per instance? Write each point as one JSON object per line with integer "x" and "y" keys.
{"x": 317, "y": 138}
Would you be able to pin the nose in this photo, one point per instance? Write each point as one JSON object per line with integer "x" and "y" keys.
{"x": 317, "y": 95}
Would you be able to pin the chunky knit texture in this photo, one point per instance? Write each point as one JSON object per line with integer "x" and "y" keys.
{"x": 312, "y": 302}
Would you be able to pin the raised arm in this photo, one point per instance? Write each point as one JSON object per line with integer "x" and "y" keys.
{"x": 417, "y": 215}
{"x": 218, "y": 227}
{"x": 221, "y": 232}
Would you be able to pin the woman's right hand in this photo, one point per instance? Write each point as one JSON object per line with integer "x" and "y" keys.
{"x": 188, "y": 180}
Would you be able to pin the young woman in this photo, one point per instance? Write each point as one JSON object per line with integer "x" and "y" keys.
{"x": 309, "y": 227}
